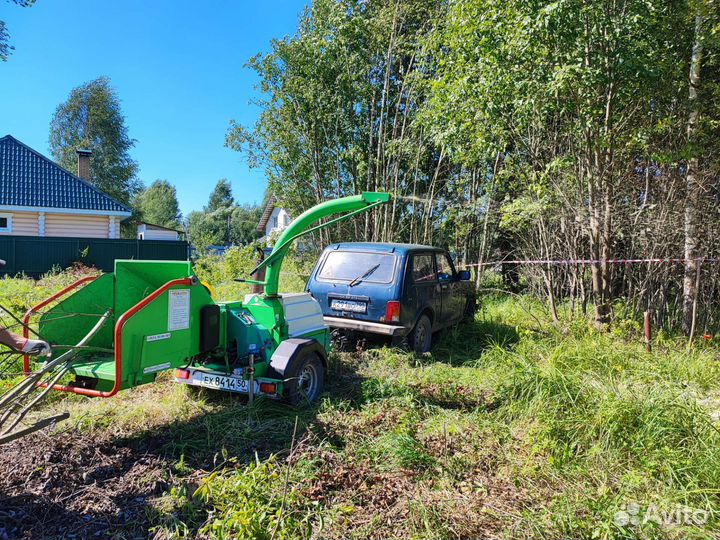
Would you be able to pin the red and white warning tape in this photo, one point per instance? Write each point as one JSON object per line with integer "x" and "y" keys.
{"x": 563, "y": 262}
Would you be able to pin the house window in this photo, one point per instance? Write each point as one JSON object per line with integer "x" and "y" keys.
{"x": 275, "y": 222}
{"x": 5, "y": 223}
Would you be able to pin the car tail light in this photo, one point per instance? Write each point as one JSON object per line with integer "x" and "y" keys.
{"x": 392, "y": 311}
{"x": 267, "y": 388}
{"x": 182, "y": 374}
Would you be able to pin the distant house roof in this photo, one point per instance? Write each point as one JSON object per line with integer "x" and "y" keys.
{"x": 160, "y": 227}
{"x": 266, "y": 214}
{"x": 29, "y": 179}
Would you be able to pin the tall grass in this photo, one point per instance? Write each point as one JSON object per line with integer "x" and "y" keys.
{"x": 511, "y": 427}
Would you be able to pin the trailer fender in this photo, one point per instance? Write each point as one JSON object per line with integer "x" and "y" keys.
{"x": 292, "y": 348}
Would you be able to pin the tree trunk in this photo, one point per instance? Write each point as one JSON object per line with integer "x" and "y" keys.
{"x": 692, "y": 185}
{"x": 488, "y": 208}
{"x": 598, "y": 252}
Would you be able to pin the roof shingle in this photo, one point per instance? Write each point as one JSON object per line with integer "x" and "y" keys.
{"x": 27, "y": 178}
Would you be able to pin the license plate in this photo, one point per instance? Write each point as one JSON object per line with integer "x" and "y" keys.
{"x": 220, "y": 382}
{"x": 349, "y": 305}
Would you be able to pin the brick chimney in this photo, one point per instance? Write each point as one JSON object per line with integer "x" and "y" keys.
{"x": 83, "y": 163}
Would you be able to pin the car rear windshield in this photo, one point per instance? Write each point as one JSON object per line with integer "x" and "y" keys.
{"x": 350, "y": 265}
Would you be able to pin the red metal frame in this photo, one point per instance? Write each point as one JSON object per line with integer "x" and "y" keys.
{"x": 118, "y": 335}
{"x": 29, "y": 313}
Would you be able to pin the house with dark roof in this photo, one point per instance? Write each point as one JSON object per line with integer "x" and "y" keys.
{"x": 40, "y": 198}
{"x": 274, "y": 219}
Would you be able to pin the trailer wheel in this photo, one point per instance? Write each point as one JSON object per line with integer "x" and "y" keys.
{"x": 421, "y": 336}
{"x": 305, "y": 378}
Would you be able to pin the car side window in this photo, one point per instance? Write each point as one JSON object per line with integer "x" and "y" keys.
{"x": 423, "y": 268}
{"x": 444, "y": 267}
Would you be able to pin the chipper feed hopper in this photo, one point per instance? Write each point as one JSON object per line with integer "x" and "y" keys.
{"x": 122, "y": 329}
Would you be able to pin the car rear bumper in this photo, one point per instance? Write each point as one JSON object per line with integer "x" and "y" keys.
{"x": 366, "y": 326}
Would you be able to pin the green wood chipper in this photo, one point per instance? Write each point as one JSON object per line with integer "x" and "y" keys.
{"x": 120, "y": 330}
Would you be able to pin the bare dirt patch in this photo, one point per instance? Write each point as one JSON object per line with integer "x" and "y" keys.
{"x": 77, "y": 486}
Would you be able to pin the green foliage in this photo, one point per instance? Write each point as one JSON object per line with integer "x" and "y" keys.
{"x": 92, "y": 119}
{"x": 158, "y": 204}
{"x": 237, "y": 263}
{"x": 585, "y": 105}
{"x": 221, "y": 196}
{"x": 518, "y": 67}
{"x": 222, "y": 222}
{"x": 248, "y": 504}
{"x": 5, "y": 47}
{"x": 236, "y": 225}
{"x": 338, "y": 109}
{"x": 545, "y": 130}
{"x": 18, "y": 294}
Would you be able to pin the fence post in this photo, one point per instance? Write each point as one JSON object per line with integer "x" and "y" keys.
{"x": 648, "y": 332}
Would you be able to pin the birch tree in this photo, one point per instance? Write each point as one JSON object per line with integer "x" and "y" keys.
{"x": 692, "y": 184}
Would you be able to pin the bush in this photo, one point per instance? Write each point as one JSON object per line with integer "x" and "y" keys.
{"x": 220, "y": 271}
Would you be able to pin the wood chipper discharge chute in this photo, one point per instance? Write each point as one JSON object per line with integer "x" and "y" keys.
{"x": 121, "y": 330}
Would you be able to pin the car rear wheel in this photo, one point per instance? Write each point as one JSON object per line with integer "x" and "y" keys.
{"x": 305, "y": 380}
{"x": 421, "y": 336}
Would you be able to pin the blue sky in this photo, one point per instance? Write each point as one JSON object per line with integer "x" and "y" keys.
{"x": 177, "y": 67}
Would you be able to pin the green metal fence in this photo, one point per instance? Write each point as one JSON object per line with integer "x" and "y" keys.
{"x": 34, "y": 256}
